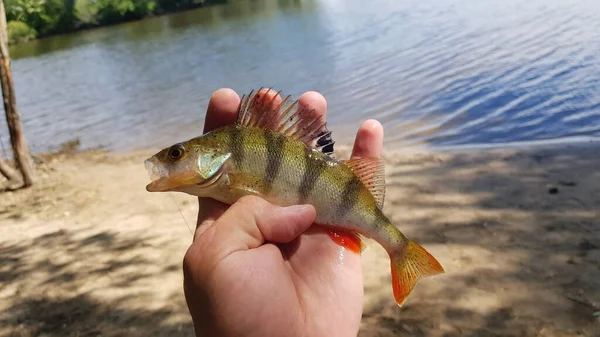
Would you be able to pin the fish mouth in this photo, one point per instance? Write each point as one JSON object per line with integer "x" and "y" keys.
{"x": 162, "y": 181}
{"x": 166, "y": 184}
{"x": 160, "y": 185}
{"x": 155, "y": 169}
{"x": 157, "y": 173}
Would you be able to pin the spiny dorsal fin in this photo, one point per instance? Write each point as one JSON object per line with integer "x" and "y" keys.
{"x": 371, "y": 171}
{"x": 268, "y": 110}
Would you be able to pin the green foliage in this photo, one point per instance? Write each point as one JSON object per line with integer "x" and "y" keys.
{"x": 86, "y": 12}
{"x": 145, "y": 7}
{"x": 47, "y": 17}
{"x": 19, "y": 31}
{"x": 26, "y": 11}
{"x": 113, "y": 10}
{"x": 23, "y": 9}
{"x": 52, "y": 17}
{"x": 170, "y": 5}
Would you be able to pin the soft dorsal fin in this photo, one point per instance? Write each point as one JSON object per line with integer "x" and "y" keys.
{"x": 371, "y": 171}
{"x": 268, "y": 110}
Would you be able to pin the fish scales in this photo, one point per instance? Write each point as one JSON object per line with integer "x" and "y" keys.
{"x": 282, "y": 153}
{"x": 294, "y": 174}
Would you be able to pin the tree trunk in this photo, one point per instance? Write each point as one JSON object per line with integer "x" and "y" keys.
{"x": 17, "y": 138}
{"x": 9, "y": 173}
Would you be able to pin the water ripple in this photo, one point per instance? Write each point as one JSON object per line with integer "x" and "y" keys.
{"x": 442, "y": 73}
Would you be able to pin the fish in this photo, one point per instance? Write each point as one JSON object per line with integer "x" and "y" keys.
{"x": 282, "y": 151}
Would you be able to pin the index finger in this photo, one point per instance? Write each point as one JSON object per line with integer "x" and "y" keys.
{"x": 222, "y": 109}
{"x": 314, "y": 101}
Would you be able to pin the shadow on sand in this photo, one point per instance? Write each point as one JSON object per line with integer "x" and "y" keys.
{"x": 86, "y": 285}
{"x": 520, "y": 232}
{"x": 524, "y": 237}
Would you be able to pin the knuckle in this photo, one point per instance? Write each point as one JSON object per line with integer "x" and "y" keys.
{"x": 188, "y": 259}
{"x": 200, "y": 258}
{"x": 190, "y": 263}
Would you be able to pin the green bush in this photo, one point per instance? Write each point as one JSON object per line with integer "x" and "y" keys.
{"x": 86, "y": 12}
{"x": 19, "y": 32}
{"x": 31, "y": 18}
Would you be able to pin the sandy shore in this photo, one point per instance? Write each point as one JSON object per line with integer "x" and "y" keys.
{"x": 88, "y": 252}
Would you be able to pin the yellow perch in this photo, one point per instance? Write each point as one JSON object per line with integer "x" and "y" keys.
{"x": 282, "y": 152}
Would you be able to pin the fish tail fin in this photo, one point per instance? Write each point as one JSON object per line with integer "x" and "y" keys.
{"x": 408, "y": 266}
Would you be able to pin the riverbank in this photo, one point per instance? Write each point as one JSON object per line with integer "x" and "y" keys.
{"x": 46, "y": 19}
{"x": 89, "y": 252}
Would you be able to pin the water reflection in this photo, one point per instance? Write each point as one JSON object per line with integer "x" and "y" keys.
{"x": 164, "y": 26}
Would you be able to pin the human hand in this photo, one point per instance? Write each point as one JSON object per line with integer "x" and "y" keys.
{"x": 256, "y": 269}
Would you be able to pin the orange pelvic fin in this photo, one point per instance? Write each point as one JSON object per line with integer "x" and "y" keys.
{"x": 349, "y": 240}
{"x": 410, "y": 265}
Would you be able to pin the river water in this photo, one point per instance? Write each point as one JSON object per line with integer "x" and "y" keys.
{"x": 435, "y": 72}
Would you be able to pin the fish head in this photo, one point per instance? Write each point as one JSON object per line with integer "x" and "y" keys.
{"x": 185, "y": 166}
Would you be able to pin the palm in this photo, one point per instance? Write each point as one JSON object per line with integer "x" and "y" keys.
{"x": 299, "y": 284}
{"x": 328, "y": 280}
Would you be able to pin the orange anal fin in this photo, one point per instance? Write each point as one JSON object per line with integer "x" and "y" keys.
{"x": 409, "y": 266}
{"x": 349, "y": 240}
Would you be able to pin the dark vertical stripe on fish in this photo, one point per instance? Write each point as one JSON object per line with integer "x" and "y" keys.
{"x": 275, "y": 144}
{"x": 377, "y": 223}
{"x": 236, "y": 141}
{"x": 312, "y": 171}
{"x": 349, "y": 196}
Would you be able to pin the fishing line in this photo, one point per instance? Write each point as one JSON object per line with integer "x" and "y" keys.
{"x": 180, "y": 212}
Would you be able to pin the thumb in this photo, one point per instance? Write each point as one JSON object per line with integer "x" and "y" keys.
{"x": 249, "y": 223}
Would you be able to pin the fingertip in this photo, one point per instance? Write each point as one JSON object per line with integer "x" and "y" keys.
{"x": 224, "y": 92}
{"x": 369, "y": 140}
{"x": 222, "y": 108}
{"x": 269, "y": 96}
{"x": 302, "y": 213}
{"x": 224, "y": 99}
{"x": 372, "y": 130}
{"x": 297, "y": 220}
{"x": 315, "y": 101}
{"x": 374, "y": 125}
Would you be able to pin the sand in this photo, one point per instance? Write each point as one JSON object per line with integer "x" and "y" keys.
{"x": 88, "y": 252}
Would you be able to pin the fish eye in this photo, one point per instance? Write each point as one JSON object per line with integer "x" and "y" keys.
{"x": 176, "y": 151}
